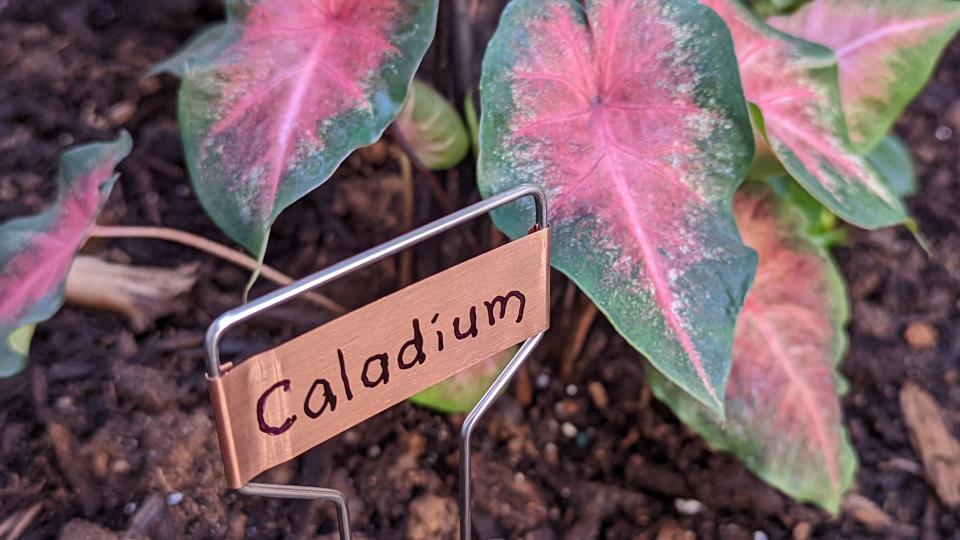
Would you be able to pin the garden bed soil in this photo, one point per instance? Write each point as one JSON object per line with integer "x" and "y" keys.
{"x": 108, "y": 433}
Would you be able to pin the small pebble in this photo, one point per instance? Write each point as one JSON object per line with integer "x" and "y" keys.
{"x": 174, "y": 498}
{"x": 760, "y": 535}
{"x": 571, "y": 390}
{"x": 552, "y": 453}
{"x": 921, "y": 335}
{"x": 120, "y": 113}
{"x": 120, "y": 466}
{"x": 688, "y": 507}
{"x": 582, "y": 440}
{"x": 569, "y": 430}
{"x": 543, "y": 381}
{"x": 130, "y": 508}
{"x": 374, "y": 451}
{"x": 943, "y": 133}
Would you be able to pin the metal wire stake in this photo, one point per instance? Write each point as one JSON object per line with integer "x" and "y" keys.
{"x": 281, "y": 491}
{"x": 247, "y": 311}
{"x": 488, "y": 399}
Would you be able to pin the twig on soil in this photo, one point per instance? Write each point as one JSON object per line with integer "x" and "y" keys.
{"x": 218, "y": 250}
{"x": 15, "y": 525}
{"x": 935, "y": 444}
{"x": 76, "y": 471}
{"x": 874, "y": 518}
{"x": 579, "y": 336}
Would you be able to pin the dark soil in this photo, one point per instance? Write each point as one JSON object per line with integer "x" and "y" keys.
{"x": 108, "y": 428}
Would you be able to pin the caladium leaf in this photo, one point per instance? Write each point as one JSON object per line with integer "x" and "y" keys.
{"x": 432, "y": 128}
{"x": 794, "y": 85}
{"x": 892, "y": 160}
{"x": 293, "y": 87}
{"x": 784, "y": 418}
{"x": 626, "y": 113}
{"x": 36, "y": 252}
{"x": 203, "y": 43}
{"x": 461, "y": 392}
{"x": 886, "y": 51}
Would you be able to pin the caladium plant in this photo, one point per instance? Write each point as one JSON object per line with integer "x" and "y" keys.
{"x": 36, "y": 252}
{"x": 626, "y": 113}
{"x": 783, "y": 411}
{"x": 639, "y": 142}
{"x": 275, "y": 99}
{"x": 885, "y": 51}
{"x": 639, "y": 118}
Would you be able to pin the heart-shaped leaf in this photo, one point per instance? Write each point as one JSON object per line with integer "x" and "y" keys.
{"x": 432, "y": 128}
{"x": 293, "y": 87}
{"x": 886, "y": 51}
{"x": 794, "y": 85}
{"x": 36, "y": 252}
{"x": 626, "y": 113}
{"x": 783, "y": 412}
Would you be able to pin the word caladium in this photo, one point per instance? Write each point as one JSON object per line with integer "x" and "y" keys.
{"x": 274, "y": 100}
{"x": 626, "y": 113}
{"x": 36, "y": 252}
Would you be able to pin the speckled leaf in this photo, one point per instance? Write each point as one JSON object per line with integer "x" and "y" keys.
{"x": 784, "y": 418}
{"x": 432, "y": 128}
{"x": 461, "y": 392}
{"x": 794, "y": 85}
{"x": 626, "y": 113}
{"x": 294, "y": 87}
{"x": 886, "y": 51}
{"x": 892, "y": 161}
{"x": 36, "y": 252}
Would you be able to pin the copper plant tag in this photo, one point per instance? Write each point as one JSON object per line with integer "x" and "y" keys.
{"x": 282, "y": 402}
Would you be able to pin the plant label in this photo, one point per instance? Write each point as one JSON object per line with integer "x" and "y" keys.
{"x": 282, "y": 402}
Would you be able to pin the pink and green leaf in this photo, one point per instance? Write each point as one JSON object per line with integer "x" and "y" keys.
{"x": 461, "y": 392}
{"x": 432, "y": 128}
{"x": 624, "y": 111}
{"x": 784, "y": 418}
{"x": 794, "y": 83}
{"x": 886, "y": 51}
{"x": 36, "y": 252}
{"x": 291, "y": 88}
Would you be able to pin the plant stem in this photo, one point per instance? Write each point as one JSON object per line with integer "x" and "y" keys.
{"x": 218, "y": 250}
{"x": 406, "y": 171}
